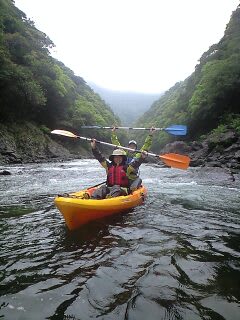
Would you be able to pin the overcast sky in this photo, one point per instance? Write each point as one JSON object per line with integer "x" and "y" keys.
{"x": 131, "y": 45}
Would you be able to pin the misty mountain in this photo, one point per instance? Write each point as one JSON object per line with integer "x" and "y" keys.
{"x": 129, "y": 106}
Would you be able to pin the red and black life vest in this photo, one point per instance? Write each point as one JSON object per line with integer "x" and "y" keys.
{"x": 117, "y": 175}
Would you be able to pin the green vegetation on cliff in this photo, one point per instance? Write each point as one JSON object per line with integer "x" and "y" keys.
{"x": 38, "y": 88}
{"x": 209, "y": 98}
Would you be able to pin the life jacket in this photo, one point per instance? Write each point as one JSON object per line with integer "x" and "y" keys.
{"x": 117, "y": 175}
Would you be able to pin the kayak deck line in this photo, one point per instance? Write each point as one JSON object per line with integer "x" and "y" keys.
{"x": 69, "y": 195}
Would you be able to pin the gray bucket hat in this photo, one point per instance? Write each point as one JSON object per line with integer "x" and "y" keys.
{"x": 118, "y": 152}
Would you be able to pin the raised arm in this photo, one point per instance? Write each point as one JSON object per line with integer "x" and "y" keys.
{"x": 114, "y": 138}
{"x": 97, "y": 154}
{"x": 136, "y": 162}
{"x": 147, "y": 144}
{"x": 148, "y": 141}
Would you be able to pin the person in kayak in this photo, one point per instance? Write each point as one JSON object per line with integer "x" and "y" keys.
{"x": 118, "y": 172}
{"x": 135, "y": 180}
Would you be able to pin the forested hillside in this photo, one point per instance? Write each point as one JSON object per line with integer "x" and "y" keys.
{"x": 209, "y": 98}
{"x": 36, "y": 88}
{"x": 39, "y": 93}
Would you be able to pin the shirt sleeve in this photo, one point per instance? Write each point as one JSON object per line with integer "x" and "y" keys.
{"x": 114, "y": 139}
{"x": 100, "y": 158}
{"x": 147, "y": 143}
{"x": 134, "y": 165}
{"x": 146, "y": 146}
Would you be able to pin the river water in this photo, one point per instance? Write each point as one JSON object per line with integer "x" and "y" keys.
{"x": 175, "y": 257}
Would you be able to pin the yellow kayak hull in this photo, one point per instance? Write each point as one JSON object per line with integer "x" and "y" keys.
{"x": 78, "y": 211}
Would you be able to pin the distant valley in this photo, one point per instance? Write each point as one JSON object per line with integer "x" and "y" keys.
{"x": 129, "y": 106}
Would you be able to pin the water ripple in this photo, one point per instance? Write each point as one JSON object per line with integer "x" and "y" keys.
{"x": 175, "y": 257}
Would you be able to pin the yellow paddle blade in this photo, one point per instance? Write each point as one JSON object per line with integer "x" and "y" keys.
{"x": 175, "y": 160}
{"x": 64, "y": 133}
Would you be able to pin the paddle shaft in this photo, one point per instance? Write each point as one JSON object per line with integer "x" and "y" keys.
{"x": 127, "y": 128}
{"x": 177, "y": 130}
{"x": 170, "y": 159}
{"x": 177, "y": 161}
{"x": 96, "y": 185}
{"x": 116, "y": 146}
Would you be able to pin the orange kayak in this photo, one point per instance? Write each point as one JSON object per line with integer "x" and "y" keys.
{"x": 77, "y": 210}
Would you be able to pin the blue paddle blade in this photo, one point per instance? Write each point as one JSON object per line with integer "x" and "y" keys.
{"x": 177, "y": 130}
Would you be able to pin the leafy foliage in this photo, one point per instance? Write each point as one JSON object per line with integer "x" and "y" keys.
{"x": 207, "y": 98}
{"x": 36, "y": 87}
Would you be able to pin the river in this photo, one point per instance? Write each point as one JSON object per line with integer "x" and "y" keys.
{"x": 175, "y": 257}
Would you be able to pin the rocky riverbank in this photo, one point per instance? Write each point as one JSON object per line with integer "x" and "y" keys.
{"x": 222, "y": 150}
{"x": 26, "y": 143}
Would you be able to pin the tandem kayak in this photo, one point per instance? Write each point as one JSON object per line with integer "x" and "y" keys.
{"x": 77, "y": 210}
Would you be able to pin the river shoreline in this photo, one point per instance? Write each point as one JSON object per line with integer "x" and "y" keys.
{"x": 29, "y": 144}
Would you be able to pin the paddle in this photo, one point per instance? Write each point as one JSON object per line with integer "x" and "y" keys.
{"x": 177, "y": 130}
{"x": 170, "y": 159}
{"x": 96, "y": 185}
{"x": 69, "y": 195}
